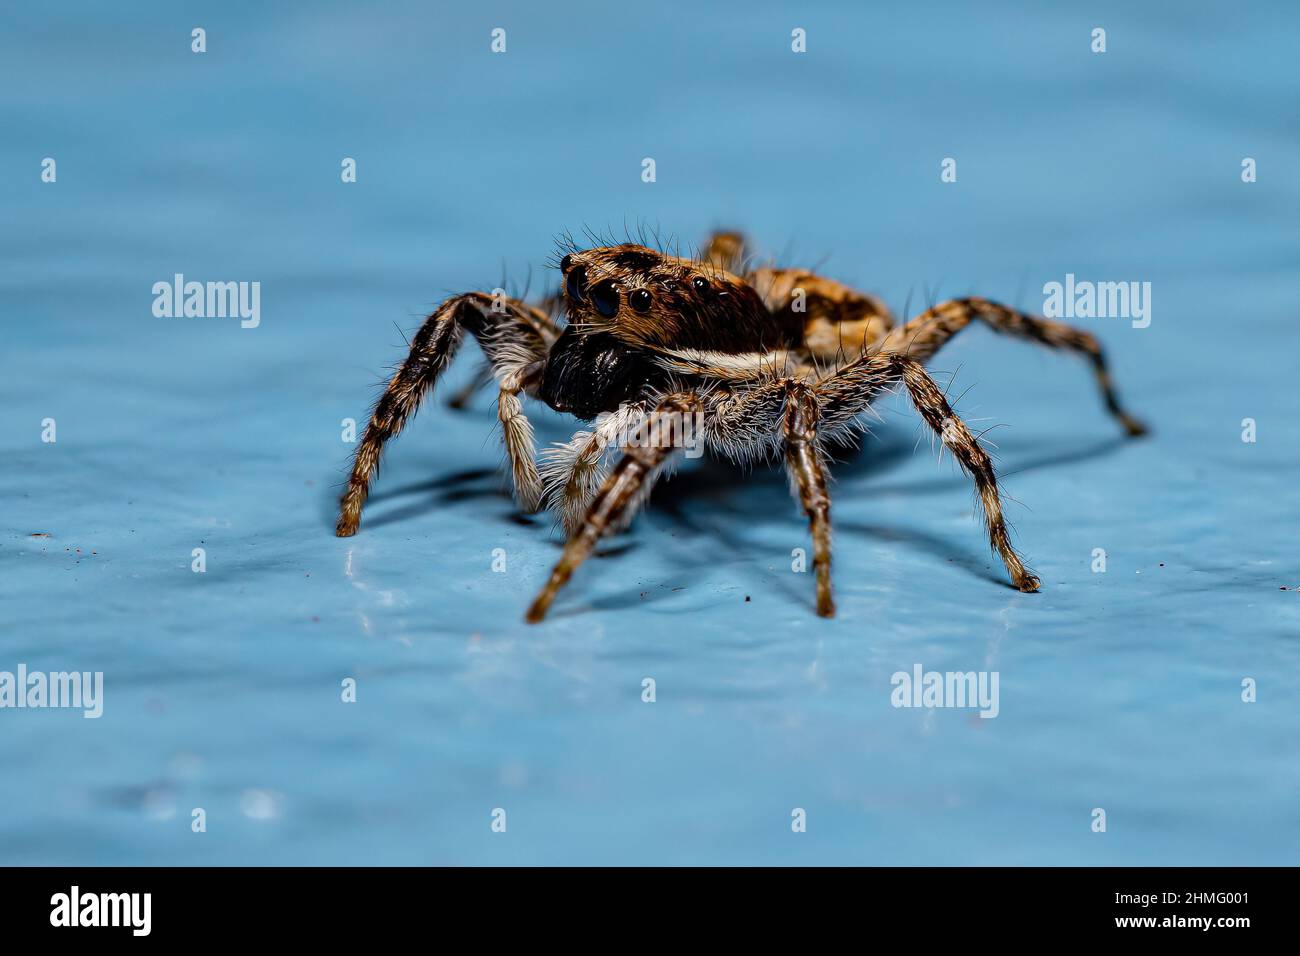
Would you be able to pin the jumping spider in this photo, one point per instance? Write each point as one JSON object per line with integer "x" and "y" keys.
{"x": 769, "y": 360}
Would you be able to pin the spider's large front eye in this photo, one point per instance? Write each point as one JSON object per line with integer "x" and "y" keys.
{"x": 576, "y": 284}
{"x": 604, "y": 296}
{"x": 639, "y": 299}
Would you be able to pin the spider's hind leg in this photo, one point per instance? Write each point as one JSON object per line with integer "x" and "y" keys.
{"x": 930, "y": 331}
{"x": 725, "y": 250}
{"x": 848, "y": 392}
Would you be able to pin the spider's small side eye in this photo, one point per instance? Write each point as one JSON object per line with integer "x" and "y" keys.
{"x": 576, "y": 284}
{"x": 604, "y": 296}
{"x": 701, "y": 285}
{"x": 639, "y": 299}
{"x": 566, "y": 262}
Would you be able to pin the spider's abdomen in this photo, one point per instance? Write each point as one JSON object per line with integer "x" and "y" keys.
{"x": 834, "y": 318}
{"x": 590, "y": 373}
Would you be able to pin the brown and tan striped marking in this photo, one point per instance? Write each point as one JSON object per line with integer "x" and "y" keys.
{"x": 837, "y": 321}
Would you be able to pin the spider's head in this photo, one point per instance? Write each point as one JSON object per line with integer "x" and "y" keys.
{"x": 624, "y": 302}
{"x": 644, "y": 299}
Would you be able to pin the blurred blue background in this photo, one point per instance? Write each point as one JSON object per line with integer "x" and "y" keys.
{"x": 1119, "y": 690}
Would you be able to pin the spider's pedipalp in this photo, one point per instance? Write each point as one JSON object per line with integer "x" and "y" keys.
{"x": 658, "y": 437}
{"x": 572, "y": 472}
{"x": 517, "y": 432}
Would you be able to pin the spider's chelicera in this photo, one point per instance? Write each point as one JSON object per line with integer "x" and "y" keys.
{"x": 753, "y": 363}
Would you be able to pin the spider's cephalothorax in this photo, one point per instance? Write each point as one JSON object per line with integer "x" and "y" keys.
{"x": 623, "y": 303}
{"x": 769, "y": 362}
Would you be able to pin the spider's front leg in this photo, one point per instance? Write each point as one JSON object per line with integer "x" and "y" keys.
{"x": 803, "y": 457}
{"x": 751, "y": 423}
{"x": 848, "y": 392}
{"x": 656, "y": 440}
{"x": 514, "y": 337}
{"x": 745, "y": 425}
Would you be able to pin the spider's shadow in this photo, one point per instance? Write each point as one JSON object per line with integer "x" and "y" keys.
{"x": 435, "y": 494}
{"x": 741, "y": 496}
{"x": 765, "y": 492}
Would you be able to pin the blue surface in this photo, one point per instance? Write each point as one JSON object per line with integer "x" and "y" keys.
{"x": 222, "y": 690}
